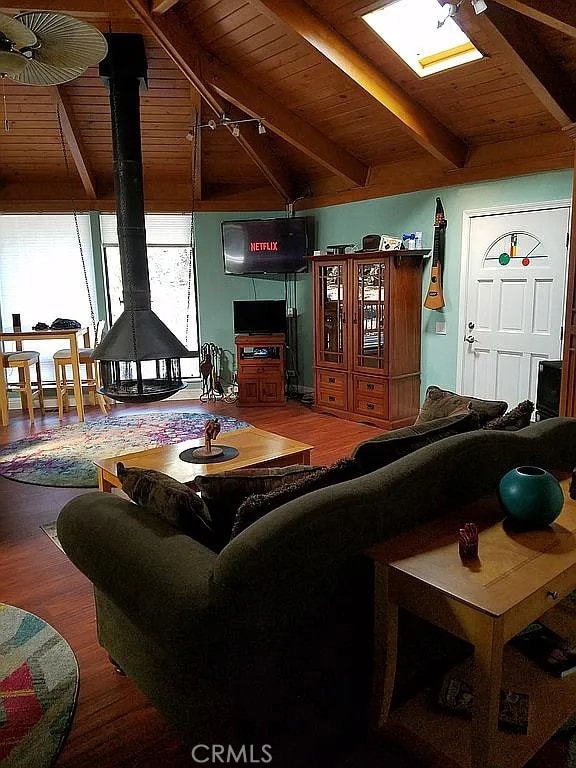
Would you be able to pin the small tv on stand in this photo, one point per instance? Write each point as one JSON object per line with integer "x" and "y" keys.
{"x": 548, "y": 393}
{"x": 260, "y": 317}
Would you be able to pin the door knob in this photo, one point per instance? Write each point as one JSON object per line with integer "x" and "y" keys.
{"x": 470, "y": 339}
{"x": 471, "y": 326}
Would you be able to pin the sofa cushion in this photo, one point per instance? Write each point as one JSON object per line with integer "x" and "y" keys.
{"x": 379, "y": 451}
{"x": 517, "y": 418}
{"x": 439, "y": 403}
{"x": 165, "y": 497}
{"x": 224, "y": 492}
{"x": 259, "y": 504}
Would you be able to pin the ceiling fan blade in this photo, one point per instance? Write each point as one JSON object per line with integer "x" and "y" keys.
{"x": 65, "y": 42}
{"x": 19, "y": 35}
{"x": 37, "y": 73}
{"x": 12, "y": 63}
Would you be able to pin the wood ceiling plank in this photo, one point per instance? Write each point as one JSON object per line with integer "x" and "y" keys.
{"x": 204, "y": 71}
{"x": 161, "y": 6}
{"x": 73, "y": 138}
{"x": 170, "y": 33}
{"x": 285, "y": 123}
{"x": 421, "y": 124}
{"x": 560, "y": 14}
{"x": 87, "y": 9}
{"x": 546, "y": 80}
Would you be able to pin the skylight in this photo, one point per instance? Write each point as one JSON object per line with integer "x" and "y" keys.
{"x": 411, "y": 28}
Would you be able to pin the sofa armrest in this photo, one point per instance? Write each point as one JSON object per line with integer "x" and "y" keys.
{"x": 159, "y": 577}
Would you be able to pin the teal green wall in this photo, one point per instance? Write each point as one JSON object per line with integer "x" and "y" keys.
{"x": 348, "y": 223}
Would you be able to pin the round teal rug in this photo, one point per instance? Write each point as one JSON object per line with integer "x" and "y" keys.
{"x": 38, "y": 688}
{"x": 63, "y": 456}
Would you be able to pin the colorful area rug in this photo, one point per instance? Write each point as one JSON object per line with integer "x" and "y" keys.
{"x": 38, "y": 687}
{"x": 63, "y": 456}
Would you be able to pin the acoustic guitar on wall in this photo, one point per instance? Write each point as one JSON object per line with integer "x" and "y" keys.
{"x": 434, "y": 295}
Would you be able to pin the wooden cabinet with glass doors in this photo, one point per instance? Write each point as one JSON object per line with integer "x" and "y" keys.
{"x": 367, "y": 310}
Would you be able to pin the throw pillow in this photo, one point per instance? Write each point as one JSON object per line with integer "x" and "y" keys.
{"x": 517, "y": 418}
{"x": 259, "y": 504}
{"x": 440, "y": 403}
{"x": 224, "y": 492}
{"x": 165, "y": 497}
{"x": 383, "y": 450}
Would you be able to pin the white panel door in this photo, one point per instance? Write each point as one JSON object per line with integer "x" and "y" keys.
{"x": 515, "y": 301}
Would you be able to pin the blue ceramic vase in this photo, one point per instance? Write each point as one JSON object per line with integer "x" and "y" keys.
{"x": 531, "y": 497}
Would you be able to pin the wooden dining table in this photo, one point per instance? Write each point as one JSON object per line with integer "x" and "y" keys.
{"x": 69, "y": 335}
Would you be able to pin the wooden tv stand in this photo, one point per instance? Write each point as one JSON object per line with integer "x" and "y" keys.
{"x": 261, "y": 379}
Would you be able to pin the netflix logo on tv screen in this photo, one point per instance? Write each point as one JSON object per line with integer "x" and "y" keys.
{"x": 265, "y": 246}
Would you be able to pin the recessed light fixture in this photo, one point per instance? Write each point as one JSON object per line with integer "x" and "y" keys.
{"x": 424, "y": 34}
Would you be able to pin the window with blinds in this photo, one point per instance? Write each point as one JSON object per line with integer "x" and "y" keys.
{"x": 172, "y": 284}
{"x": 41, "y": 275}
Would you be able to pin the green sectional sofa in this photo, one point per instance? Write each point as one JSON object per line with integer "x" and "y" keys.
{"x": 270, "y": 640}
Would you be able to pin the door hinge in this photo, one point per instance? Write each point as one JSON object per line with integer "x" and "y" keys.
{"x": 567, "y": 240}
{"x": 561, "y": 333}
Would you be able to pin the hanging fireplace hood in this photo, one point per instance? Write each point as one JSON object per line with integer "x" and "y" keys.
{"x": 139, "y": 356}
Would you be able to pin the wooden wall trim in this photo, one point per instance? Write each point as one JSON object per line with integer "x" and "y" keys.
{"x": 568, "y": 384}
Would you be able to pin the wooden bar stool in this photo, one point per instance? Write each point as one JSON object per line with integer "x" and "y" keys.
{"x": 91, "y": 380}
{"x": 24, "y": 361}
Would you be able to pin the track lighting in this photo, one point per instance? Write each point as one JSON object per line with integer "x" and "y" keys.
{"x": 449, "y": 10}
{"x": 228, "y": 122}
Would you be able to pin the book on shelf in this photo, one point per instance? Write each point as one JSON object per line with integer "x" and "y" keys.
{"x": 456, "y": 696}
{"x": 547, "y": 648}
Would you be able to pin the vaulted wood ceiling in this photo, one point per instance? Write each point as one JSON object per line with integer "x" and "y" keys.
{"x": 346, "y": 119}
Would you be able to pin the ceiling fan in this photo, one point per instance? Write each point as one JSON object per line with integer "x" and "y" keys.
{"x": 43, "y": 48}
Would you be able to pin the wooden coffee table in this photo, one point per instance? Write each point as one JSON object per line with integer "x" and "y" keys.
{"x": 517, "y": 579}
{"x": 256, "y": 448}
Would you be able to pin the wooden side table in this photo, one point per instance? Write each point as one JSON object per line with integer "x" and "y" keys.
{"x": 517, "y": 578}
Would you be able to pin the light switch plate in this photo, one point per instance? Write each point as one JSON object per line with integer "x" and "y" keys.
{"x": 441, "y": 327}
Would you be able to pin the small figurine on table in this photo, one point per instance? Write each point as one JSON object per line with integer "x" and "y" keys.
{"x": 468, "y": 542}
{"x": 211, "y": 432}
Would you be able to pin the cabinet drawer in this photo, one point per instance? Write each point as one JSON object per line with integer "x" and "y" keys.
{"x": 540, "y": 601}
{"x": 372, "y": 406}
{"x": 332, "y": 398}
{"x": 333, "y": 381}
{"x": 371, "y": 388}
{"x": 257, "y": 368}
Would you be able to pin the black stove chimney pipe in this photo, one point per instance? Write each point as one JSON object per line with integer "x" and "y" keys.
{"x": 138, "y": 335}
{"x": 125, "y": 70}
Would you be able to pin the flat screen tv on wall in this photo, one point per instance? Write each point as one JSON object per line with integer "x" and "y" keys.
{"x": 265, "y": 246}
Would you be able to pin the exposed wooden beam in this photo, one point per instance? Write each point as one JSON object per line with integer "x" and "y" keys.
{"x": 283, "y": 122}
{"x": 517, "y": 41}
{"x": 181, "y": 48}
{"x": 420, "y": 124}
{"x": 74, "y": 141}
{"x": 203, "y": 70}
{"x": 161, "y": 6}
{"x": 559, "y": 14}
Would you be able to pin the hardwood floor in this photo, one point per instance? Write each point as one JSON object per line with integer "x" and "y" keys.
{"x": 113, "y": 725}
